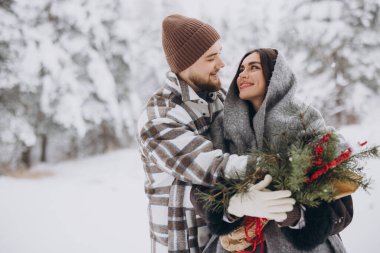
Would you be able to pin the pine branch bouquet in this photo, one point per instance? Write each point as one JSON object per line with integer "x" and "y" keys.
{"x": 312, "y": 168}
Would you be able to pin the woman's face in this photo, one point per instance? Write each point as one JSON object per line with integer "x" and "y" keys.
{"x": 251, "y": 82}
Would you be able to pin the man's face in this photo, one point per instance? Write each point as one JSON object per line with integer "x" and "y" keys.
{"x": 203, "y": 74}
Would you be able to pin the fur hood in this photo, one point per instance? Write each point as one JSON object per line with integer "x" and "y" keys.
{"x": 279, "y": 114}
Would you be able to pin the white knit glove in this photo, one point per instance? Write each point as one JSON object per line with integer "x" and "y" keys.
{"x": 261, "y": 202}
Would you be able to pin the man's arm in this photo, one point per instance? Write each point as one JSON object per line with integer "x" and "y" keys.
{"x": 214, "y": 218}
{"x": 178, "y": 150}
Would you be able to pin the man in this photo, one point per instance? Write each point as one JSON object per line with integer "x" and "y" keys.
{"x": 172, "y": 134}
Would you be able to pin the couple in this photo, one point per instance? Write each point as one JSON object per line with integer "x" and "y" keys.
{"x": 191, "y": 132}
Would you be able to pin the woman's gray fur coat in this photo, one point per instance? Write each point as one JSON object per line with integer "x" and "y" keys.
{"x": 279, "y": 113}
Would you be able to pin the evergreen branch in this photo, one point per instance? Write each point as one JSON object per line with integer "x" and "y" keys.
{"x": 300, "y": 160}
{"x": 291, "y": 168}
{"x": 372, "y": 152}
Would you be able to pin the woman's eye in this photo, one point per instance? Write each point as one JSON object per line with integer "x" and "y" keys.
{"x": 253, "y": 67}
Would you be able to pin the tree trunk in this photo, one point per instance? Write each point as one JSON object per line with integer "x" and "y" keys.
{"x": 25, "y": 157}
{"x": 43, "y": 148}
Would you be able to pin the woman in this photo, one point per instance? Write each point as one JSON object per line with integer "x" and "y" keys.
{"x": 259, "y": 108}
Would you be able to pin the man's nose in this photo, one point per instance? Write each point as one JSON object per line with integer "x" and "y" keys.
{"x": 220, "y": 63}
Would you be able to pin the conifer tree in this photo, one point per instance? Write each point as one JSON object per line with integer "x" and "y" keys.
{"x": 337, "y": 45}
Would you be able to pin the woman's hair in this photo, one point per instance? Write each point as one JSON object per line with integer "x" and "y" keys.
{"x": 268, "y": 58}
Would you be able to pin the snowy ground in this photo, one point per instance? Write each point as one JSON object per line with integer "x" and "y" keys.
{"x": 94, "y": 205}
{"x": 97, "y": 205}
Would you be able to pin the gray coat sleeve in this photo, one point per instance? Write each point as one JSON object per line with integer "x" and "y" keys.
{"x": 321, "y": 222}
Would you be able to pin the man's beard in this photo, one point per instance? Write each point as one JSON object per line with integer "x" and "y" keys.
{"x": 205, "y": 84}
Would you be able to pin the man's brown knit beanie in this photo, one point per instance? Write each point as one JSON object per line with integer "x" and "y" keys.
{"x": 185, "y": 40}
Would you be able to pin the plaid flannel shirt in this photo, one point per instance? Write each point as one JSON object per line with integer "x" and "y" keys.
{"x": 172, "y": 137}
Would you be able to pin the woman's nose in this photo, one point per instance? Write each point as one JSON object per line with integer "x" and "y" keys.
{"x": 242, "y": 74}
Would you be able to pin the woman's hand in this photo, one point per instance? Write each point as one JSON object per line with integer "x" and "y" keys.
{"x": 261, "y": 202}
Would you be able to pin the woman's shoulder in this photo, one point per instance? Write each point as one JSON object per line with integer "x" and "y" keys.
{"x": 294, "y": 109}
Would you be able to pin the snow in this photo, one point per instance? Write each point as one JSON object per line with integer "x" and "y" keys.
{"x": 17, "y": 128}
{"x": 91, "y": 205}
{"x": 98, "y": 204}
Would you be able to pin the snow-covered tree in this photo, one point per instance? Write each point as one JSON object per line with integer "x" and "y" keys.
{"x": 65, "y": 89}
{"x": 243, "y": 26}
{"x": 337, "y": 45}
{"x": 17, "y": 102}
{"x": 73, "y": 72}
{"x": 143, "y": 29}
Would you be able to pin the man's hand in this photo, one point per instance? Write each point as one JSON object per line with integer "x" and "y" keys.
{"x": 261, "y": 202}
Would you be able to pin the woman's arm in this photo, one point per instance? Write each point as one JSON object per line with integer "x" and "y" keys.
{"x": 321, "y": 222}
{"x": 342, "y": 214}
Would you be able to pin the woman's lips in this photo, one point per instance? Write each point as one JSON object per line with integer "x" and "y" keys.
{"x": 245, "y": 85}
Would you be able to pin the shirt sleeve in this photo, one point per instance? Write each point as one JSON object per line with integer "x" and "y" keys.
{"x": 175, "y": 148}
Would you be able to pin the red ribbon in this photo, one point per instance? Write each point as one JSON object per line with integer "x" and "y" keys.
{"x": 259, "y": 235}
{"x": 318, "y": 152}
{"x": 344, "y": 155}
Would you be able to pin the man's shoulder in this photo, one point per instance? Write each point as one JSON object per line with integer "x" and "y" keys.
{"x": 165, "y": 102}
{"x": 165, "y": 96}
{"x": 169, "y": 91}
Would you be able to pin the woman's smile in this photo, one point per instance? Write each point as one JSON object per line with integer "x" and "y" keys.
{"x": 245, "y": 85}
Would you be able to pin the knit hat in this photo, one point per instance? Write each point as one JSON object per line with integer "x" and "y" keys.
{"x": 185, "y": 40}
